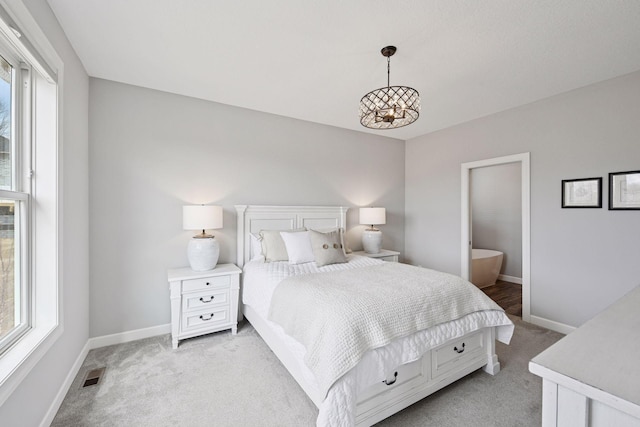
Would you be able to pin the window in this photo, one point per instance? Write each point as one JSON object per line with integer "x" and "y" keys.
{"x": 30, "y": 285}
{"x": 15, "y": 308}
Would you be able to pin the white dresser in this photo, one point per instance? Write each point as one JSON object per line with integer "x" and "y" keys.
{"x": 203, "y": 301}
{"x": 591, "y": 377}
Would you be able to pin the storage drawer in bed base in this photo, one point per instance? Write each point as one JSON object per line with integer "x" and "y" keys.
{"x": 402, "y": 380}
{"x": 425, "y": 376}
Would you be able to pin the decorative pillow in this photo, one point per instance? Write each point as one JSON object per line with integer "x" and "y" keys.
{"x": 327, "y": 248}
{"x": 343, "y": 239}
{"x": 298, "y": 246}
{"x": 273, "y": 247}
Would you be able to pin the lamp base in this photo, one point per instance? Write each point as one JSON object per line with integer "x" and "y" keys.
{"x": 203, "y": 253}
{"x": 372, "y": 241}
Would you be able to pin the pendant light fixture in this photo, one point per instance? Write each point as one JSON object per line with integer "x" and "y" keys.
{"x": 392, "y": 106}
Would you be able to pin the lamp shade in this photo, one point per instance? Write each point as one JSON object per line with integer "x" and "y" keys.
{"x": 373, "y": 216}
{"x": 201, "y": 217}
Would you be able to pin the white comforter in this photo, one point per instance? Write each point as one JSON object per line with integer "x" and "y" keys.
{"x": 338, "y": 316}
{"x": 338, "y": 408}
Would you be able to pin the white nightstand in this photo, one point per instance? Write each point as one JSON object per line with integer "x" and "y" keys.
{"x": 385, "y": 255}
{"x": 203, "y": 301}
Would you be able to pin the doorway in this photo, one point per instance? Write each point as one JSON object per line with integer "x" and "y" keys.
{"x": 467, "y": 227}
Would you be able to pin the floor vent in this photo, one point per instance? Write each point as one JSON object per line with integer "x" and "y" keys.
{"x": 93, "y": 377}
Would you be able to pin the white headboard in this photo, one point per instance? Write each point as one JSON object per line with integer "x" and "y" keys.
{"x": 252, "y": 219}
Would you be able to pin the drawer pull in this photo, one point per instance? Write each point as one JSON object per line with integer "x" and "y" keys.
{"x": 461, "y": 349}
{"x": 208, "y": 318}
{"x": 208, "y": 301}
{"x": 207, "y": 284}
{"x": 395, "y": 378}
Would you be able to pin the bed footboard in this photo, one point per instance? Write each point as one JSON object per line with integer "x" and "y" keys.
{"x": 410, "y": 382}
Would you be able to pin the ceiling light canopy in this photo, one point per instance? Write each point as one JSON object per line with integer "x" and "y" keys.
{"x": 392, "y": 106}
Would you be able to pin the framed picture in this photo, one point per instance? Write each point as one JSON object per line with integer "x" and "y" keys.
{"x": 624, "y": 190}
{"x": 582, "y": 193}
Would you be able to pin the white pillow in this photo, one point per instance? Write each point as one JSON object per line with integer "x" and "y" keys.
{"x": 273, "y": 248}
{"x": 298, "y": 247}
{"x": 255, "y": 250}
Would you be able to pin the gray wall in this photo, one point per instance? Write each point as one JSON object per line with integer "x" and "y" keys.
{"x": 30, "y": 402}
{"x": 496, "y": 206}
{"x": 581, "y": 259}
{"x": 153, "y": 152}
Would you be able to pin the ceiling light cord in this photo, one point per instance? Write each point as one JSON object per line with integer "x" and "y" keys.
{"x": 388, "y": 72}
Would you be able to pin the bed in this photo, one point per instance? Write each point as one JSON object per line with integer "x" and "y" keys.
{"x": 386, "y": 378}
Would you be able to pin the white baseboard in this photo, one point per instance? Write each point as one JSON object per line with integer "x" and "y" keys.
{"x": 64, "y": 388}
{"x": 511, "y": 279}
{"x": 553, "y": 325}
{"x": 122, "y": 337}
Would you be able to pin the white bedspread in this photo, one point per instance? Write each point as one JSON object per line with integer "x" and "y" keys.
{"x": 339, "y": 316}
{"x": 260, "y": 278}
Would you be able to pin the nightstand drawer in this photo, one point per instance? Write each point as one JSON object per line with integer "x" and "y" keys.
{"x": 205, "y": 319}
{"x": 206, "y": 283}
{"x": 464, "y": 350}
{"x": 203, "y": 300}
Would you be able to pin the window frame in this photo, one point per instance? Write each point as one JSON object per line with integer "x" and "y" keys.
{"x": 20, "y": 192}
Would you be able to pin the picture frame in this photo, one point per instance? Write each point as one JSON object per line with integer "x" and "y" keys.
{"x": 582, "y": 193}
{"x": 624, "y": 190}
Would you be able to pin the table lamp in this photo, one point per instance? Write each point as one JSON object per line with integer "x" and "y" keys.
{"x": 372, "y": 237}
{"x": 203, "y": 250}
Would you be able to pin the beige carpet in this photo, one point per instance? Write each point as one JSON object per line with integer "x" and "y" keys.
{"x": 225, "y": 380}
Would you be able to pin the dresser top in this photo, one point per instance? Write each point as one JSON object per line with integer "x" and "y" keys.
{"x": 602, "y": 353}
{"x": 187, "y": 273}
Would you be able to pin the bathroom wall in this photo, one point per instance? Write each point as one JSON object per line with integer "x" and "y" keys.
{"x": 496, "y": 206}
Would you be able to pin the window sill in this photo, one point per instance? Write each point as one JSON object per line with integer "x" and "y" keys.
{"x": 18, "y": 361}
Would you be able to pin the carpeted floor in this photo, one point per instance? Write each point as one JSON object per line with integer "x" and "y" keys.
{"x": 225, "y": 380}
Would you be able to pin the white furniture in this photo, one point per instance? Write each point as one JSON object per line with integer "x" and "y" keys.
{"x": 384, "y": 255}
{"x": 409, "y": 383}
{"x": 203, "y": 302}
{"x": 591, "y": 377}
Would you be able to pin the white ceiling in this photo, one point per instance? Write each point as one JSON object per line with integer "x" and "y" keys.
{"x": 314, "y": 60}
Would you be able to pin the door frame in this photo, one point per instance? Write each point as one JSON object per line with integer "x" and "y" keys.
{"x": 466, "y": 243}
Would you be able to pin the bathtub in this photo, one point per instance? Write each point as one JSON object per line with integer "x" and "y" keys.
{"x": 485, "y": 267}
